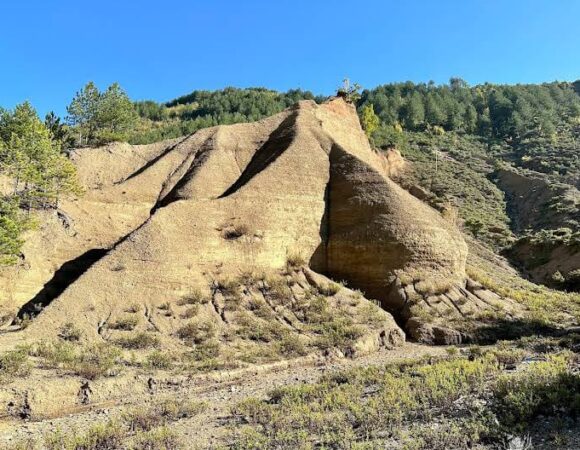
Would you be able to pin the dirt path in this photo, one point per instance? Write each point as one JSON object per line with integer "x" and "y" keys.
{"x": 205, "y": 430}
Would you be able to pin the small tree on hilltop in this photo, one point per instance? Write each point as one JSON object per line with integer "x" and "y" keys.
{"x": 350, "y": 92}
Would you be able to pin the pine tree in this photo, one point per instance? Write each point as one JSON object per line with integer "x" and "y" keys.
{"x": 12, "y": 224}
{"x": 83, "y": 112}
{"x": 115, "y": 113}
{"x": 34, "y": 161}
{"x": 414, "y": 112}
{"x": 101, "y": 117}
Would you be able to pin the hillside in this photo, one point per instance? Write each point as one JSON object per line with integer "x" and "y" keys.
{"x": 463, "y": 142}
{"x": 192, "y": 294}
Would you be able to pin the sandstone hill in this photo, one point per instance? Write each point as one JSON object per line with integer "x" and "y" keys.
{"x": 241, "y": 225}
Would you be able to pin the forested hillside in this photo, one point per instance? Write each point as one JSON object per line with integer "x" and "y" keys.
{"x": 505, "y": 158}
{"x": 465, "y": 144}
{"x": 202, "y": 109}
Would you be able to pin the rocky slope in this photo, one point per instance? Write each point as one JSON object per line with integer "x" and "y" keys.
{"x": 161, "y": 222}
{"x": 546, "y": 216}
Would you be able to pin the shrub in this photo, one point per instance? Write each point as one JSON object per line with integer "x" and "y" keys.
{"x": 133, "y": 308}
{"x": 544, "y": 387}
{"x": 235, "y": 231}
{"x": 205, "y": 350}
{"x": 194, "y": 298}
{"x": 258, "y": 329}
{"x": 157, "y": 439}
{"x": 227, "y": 286}
{"x": 14, "y": 364}
{"x": 292, "y": 345}
{"x": 197, "y": 332}
{"x": 90, "y": 361}
{"x": 125, "y": 323}
{"x": 338, "y": 334}
{"x": 159, "y": 360}
{"x": 138, "y": 341}
{"x": 190, "y": 312}
{"x": 295, "y": 261}
{"x": 102, "y": 436}
{"x": 329, "y": 289}
{"x": 69, "y": 332}
{"x": 162, "y": 413}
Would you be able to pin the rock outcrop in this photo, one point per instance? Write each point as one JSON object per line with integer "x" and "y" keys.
{"x": 158, "y": 222}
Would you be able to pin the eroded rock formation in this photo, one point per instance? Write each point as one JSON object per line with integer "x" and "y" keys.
{"x": 178, "y": 216}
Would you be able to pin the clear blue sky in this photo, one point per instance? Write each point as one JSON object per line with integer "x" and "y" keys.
{"x": 162, "y": 49}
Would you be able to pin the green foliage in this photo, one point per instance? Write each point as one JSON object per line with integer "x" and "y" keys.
{"x": 202, "y": 109}
{"x": 69, "y": 332}
{"x": 83, "y": 112}
{"x": 197, "y": 332}
{"x": 138, "y": 341}
{"x": 489, "y": 110}
{"x": 126, "y": 323}
{"x": 350, "y": 92}
{"x": 13, "y": 364}
{"x": 12, "y": 224}
{"x": 101, "y": 436}
{"x": 100, "y": 117}
{"x": 36, "y": 171}
{"x": 90, "y": 361}
{"x": 157, "y": 439}
{"x": 546, "y": 387}
{"x": 369, "y": 120}
{"x": 454, "y": 170}
{"x": 60, "y": 132}
{"x": 162, "y": 413}
{"x": 395, "y": 405}
{"x": 39, "y": 171}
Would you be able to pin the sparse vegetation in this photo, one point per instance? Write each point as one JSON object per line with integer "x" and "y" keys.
{"x": 160, "y": 360}
{"x": 295, "y": 261}
{"x": 108, "y": 435}
{"x": 126, "y": 323}
{"x": 139, "y": 340}
{"x": 90, "y": 361}
{"x": 372, "y": 407}
{"x": 235, "y": 231}
{"x": 14, "y": 363}
{"x": 70, "y": 332}
{"x": 162, "y": 413}
{"x": 197, "y": 332}
{"x": 194, "y": 298}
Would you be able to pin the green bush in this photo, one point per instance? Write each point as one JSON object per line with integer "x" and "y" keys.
{"x": 138, "y": 341}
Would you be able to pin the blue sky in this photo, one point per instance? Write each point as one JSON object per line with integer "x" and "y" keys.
{"x": 162, "y": 49}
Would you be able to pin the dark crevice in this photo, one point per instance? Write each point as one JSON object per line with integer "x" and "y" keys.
{"x": 197, "y": 161}
{"x": 67, "y": 274}
{"x": 102, "y": 325}
{"x": 154, "y": 160}
{"x": 277, "y": 143}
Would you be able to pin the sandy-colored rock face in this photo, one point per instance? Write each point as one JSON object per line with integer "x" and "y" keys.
{"x": 158, "y": 221}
